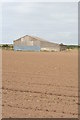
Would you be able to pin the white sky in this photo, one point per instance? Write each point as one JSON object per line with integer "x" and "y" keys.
{"x": 53, "y": 21}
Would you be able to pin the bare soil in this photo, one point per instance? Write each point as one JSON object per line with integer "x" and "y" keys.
{"x": 40, "y": 84}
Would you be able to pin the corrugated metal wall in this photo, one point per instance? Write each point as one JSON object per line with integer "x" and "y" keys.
{"x": 49, "y": 46}
{"x": 27, "y": 43}
{"x": 27, "y": 48}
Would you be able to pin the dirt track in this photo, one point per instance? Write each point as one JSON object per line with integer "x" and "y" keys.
{"x": 40, "y": 84}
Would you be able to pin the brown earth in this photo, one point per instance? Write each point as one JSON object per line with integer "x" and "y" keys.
{"x": 40, "y": 84}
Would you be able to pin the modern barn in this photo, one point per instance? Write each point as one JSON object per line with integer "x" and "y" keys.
{"x": 30, "y": 43}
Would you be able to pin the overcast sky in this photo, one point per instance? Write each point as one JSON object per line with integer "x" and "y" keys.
{"x": 56, "y": 22}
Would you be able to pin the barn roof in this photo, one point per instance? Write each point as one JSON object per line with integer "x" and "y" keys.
{"x": 36, "y": 38}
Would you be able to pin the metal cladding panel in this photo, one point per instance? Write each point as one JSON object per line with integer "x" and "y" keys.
{"x": 27, "y": 41}
{"x": 26, "y": 48}
{"x": 49, "y": 46}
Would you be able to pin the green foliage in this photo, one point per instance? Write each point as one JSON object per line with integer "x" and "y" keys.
{"x": 72, "y": 46}
{"x": 5, "y": 45}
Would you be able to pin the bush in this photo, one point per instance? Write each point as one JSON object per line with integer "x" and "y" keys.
{"x": 5, "y": 45}
{"x": 72, "y": 46}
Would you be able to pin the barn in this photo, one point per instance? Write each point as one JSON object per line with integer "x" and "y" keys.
{"x": 31, "y": 43}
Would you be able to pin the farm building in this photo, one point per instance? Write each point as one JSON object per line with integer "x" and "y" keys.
{"x": 30, "y": 43}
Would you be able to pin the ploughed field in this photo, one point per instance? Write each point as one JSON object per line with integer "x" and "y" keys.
{"x": 40, "y": 84}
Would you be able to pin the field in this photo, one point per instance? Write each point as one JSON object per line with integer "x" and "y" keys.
{"x": 40, "y": 84}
